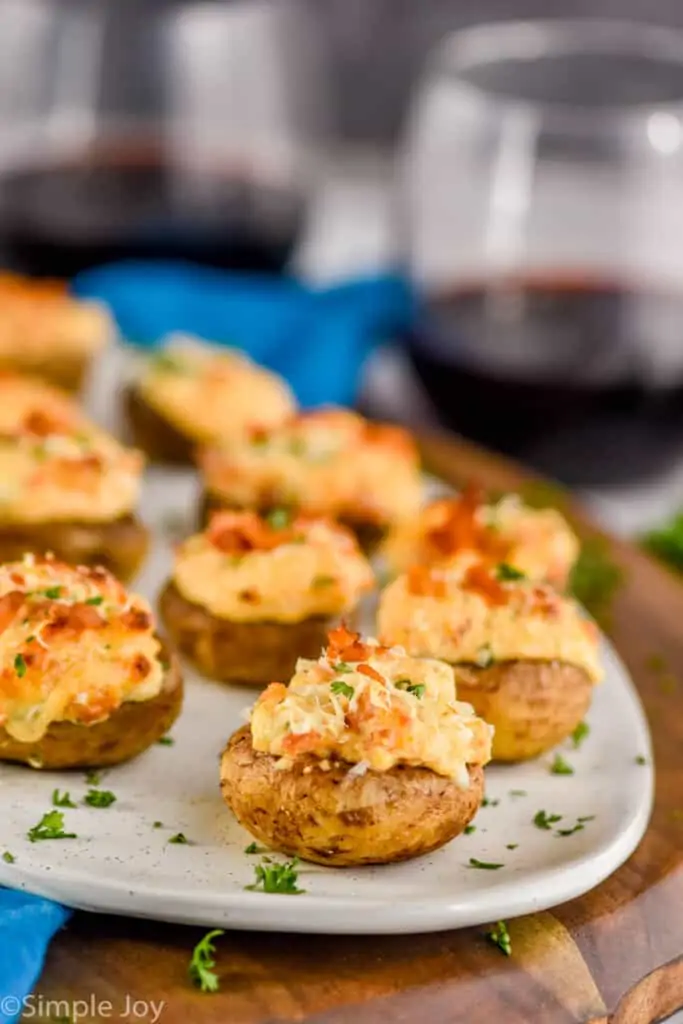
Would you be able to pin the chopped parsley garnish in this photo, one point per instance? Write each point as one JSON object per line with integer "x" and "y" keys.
{"x": 20, "y": 665}
{"x": 489, "y": 803}
{"x": 179, "y": 838}
{"x": 99, "y": 798}
{"x": 580, "y": 734}
{"x": 640, "y": 759}
{"x": 666, "y": 542}
{"x": 512, "y": 846}
{"x": 323, "y": 581}
{"x": 484, "y": 657}
{"x": 560, "y": 766}
{"x": 499, "y": 936}
{"x": 276, "y": 878}
{"x": 570, "y": 831}
{"x": 546, "y": 821}
{"x": 596, "y": 578}
{"x": 507, "y": 573}
{"x": 93, "y": 778}
{"x": 158, "y": 824}
{"x": 469, "y": 829}
{"x": 52, "y": 593}
{"x": 342, "y": 688}
{"x": 484, "y": 865}
{"x": 417, "y": 689}
{"x": 165, "y": 741}
{"x": 50, "y": 826}
{"x": 60, "y": 799}
{"x": 518, "y": 792}
{"x": 278, "y": 518}
{"x": 95, "y": 601}
{"x": 8, "y": 857}
{"x": 202, "y": 963}
{"x": 254, "y": 848}
{"x": 342, "y": 666}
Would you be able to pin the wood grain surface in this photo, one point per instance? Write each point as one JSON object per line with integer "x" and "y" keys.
{"x": 614, "y": 955}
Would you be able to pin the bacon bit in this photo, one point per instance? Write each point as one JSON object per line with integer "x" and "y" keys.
{"x": 9, "y": 606}
{"x": 544, "y": 601}
{"x": 72, "y": 620}
{"x": 274, "y": 693}
{"x": 249, "y": 596}
{"x": 18, "y": 578}
{"x": 386, "y": 435}
{"x": 424, "y": 583}
{"x": 42, "y": 423}
{"x": 591, "y": 630}
{"x": 371, "y": 673}
{"x": 452, "y": 525}
{"x": 345, "y": 645}
{"x": 301, "y": 743}
{"x": 479, "y": 579}
{"x": 99, "y": 706}
{"x": 383, "y": 726}
{"x": 236, "y": 533}
{"x": 140, "y": 668}
{"x": 136, "y": 619}
{"x": 82, "y": 473}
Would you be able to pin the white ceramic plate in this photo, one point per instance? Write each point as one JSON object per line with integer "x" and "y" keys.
{"x": 121, "y": 864}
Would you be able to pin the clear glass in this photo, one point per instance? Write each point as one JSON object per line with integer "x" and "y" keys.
{"x": 132, "y": 129}
{"x": 542, "y": 219}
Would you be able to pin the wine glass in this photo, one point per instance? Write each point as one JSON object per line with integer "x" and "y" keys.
{"x": 149, "y": 130}
{"x": 541, "y": 208}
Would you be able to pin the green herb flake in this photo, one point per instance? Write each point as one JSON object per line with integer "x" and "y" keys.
{"x": 512, "y": 846}
{"x": 179, "y": 839}
{"x": 343, "y": 666}
{"x": 202, "y": 963}
{"x": 318, "y": 582}
{"x": 484, "y": 865}
{"x": 417, "y": 689}
{"x": 507, "y": 573}
{"x": 99, "y": 798}
{"x": 276, "y": 878}
{"x": 53, "y": 593}
{"x": 20, "y": 665}
{"x": 666, "y": 542}
{"x": 8, "y": 857}
{"x": 158, "y": 824}
{"x": 95, "y": 601}
{"x": 560, "y": 766}
{"x": 278, "y": 518}
{"x": 518, "y": 792}
{"x": 640, "y": 759}
{"x": 50, "y": 826}
{"x": 93, "y": 777}
{"x": 60, "y": 799}
{"x": 500, "y": 937}
{"x": 489, "y": 803}
{"x": 570, "y": 831}
{"x": 165, "y": 741}
{"x": 580, "y": 734}
{"x": 546, "y": 821}
{"x": 469, "y": 829}
{"x": 342, "y": 688}
{"x": 254, "y": 848}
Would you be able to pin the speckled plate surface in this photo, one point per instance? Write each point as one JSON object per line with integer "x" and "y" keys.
{"x": 121, "y": 863}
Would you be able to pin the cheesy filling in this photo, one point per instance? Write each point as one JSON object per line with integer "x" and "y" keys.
{"x": 39, "y": 320}
{"x": 470, "y": 611}
{"x": 331, "y": 463}
{"x": 28, "y": 404}
{"x": 537, "y": 541}
{"x": 212, "y": 394}
{"x": 374, "y": 707}
{"x": 247, "y": 569}
{"x": 74, "y": 646}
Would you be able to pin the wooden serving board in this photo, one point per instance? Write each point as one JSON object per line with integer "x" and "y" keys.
{"x": 614, "y": 955}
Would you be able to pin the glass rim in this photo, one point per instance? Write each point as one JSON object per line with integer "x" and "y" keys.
{"x": 526, "y": 40}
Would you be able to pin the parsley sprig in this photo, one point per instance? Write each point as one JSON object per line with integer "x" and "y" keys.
{"x": 276, "y": 878}
{"x": 560, "y": 766}
{"x": 546, "y": 821}
{"x": 60, "y": 799}
{"x": 580, "y": 734}
{"x": 417, "y": 689}
{"x": 342, "y": 688}
{"x": 202, "y": 963}
{"x": 483, "y": 865}
{"x": 99, "y": 798}
{"x": 500, "y": 937}
{"x": 50, "y": 826}
{"x": 507, "y": 573}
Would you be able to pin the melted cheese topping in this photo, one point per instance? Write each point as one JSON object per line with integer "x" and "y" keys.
{"x": 330, "y": 462}
{"x": 463, "y": 612}
{"x": 374, "y": 707}
{"x": 539, "y": 542}
{"x": 81, "y": 476}
{"x": 39, "y": 320}
{"x": 73, "y": 647}
{"x": 212, "y": 394}
{"x": 28, "y": 404}
{"x": 246, "y": 570}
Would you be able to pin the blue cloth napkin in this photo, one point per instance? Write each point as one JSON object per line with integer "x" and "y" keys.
{"x": 317, "y": 338}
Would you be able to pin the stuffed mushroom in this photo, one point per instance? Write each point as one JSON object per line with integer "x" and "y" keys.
{"x": 48, "y": 332}
{"x": 330, "y": 462}
{"x": 539, "y": 542}
{"x": 65, "y": 485}
{"x": 366, "y": 757}
{"x": 525, "y": 656}
{"x": 84, "y": 680}
{"x": 248, "y": 596}
{"x": 191, "y": 394}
